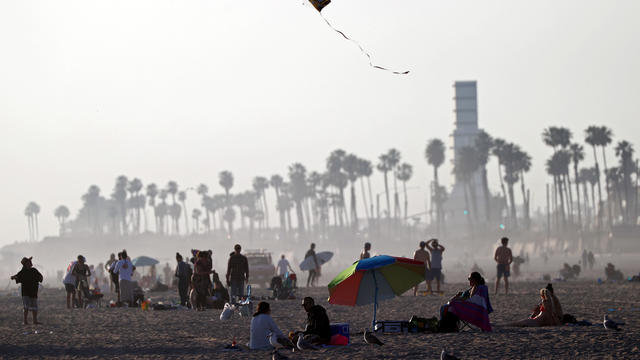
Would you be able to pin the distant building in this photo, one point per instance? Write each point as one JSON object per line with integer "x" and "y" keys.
{"x": 464, "y": 134}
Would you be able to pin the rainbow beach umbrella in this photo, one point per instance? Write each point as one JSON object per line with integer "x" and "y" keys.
{"x": 375, "y": 279}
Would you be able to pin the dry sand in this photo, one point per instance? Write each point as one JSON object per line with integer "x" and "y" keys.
{"x": 133, "y": 333}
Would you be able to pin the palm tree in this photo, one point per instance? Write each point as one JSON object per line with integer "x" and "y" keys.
{"x": 483, "y": 144}
{"x": 195, "y": 215}
{"x": 404, "y": 173}
{"x": 577, "y": 155}
{"x": 394, "y": 159}
{"x": 350, "y": 165}
{"x": 172, "y": 189}
{"x": 90, "y": 201}
{"x": 203, "y": 191}
{"x": 298, "y": 191}
{"x": 61, "y": 213}
{"x": 560, "y": 137}
{"x": 225, "y": 179}
{"x": 434, "y": 153}
{"x": 134, "y": 186}
{"x": 557, "y": 166}
{"x": 28, "y": 212}
{"x": 152, "y": 192}
{"x": 464, "y": 167}
{"x": 497, "y": 150}
{"x": 260, "y": 185}
{"x": 182, "y": 197}
{"x": 365, "y": 169}
{"x": 625, "y": 150}
{"x": 276, "y": 182}
{"x": 384, "y": 167}
{"x": 523, "y": 165}
{"x": 120, "y": 196}
{"x": 338, "y": 180}
{"x": 162, "y": 210}
{"x": 513, "y": 159}
{"x": 600, "y": 136}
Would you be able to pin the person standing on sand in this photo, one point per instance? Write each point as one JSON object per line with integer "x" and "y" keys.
{"x": 504, "y": 258}
{"x": 365, "y": 253}
{"x": 435, "y": 272}
{"x": 283, "y": 266}
{"x": 29, "y": 277}
{"x": 114, "y": 277}
{"x": 124, "y": 268}
{"x": 167, "y": 274}
{"x": 183, "y": 273}
{"x": 70, "y": 285}
{"x": 423, "y": 255}
{"x": 237, "y": 272}
{"x": 82, "y": 272}
{"x": 313, "y": 272}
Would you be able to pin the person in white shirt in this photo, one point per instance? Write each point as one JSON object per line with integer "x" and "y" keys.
{"x": 70, "y": 285}
{"x": 282, "y": 267}
{"x": 264, "y": 331}
{"x": 124, "y": 268}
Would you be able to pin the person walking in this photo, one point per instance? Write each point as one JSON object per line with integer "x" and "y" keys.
{"x": 435, "y": 271}
{"x": 423, "y": 255}
{"x": 237, "y": 272}
{"x": 504, "y": 258}
{"x": 29, "y": 277}
{"x": 313, "y": 273}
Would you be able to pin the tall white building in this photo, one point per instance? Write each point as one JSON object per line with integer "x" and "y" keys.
{"x": 464, "y": 134}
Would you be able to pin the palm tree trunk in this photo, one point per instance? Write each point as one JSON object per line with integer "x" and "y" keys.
{"x": 485, "y": 190}
{"x": 266, "y": 209}
{"x": 504, "y": 191}
{"x": 386, "y": 190}
{"x": 439, "y": 217}
{"x": 354, "y": 212}
{"x": 576, "y": 180}
{"x": 406, "y": 200}
{"x": 512, "y": 199}
{"x": 569, "y": 192}
{"x": 525, "y": 201}
{"x": 466, "y": 204}
{"x": 474, "y": 202}
{"x": 561, "y": 194}
{"x": 35, "y": 217}
{"x": 186, "y": 217}
{"x": 30, "y": 226}
{"x": 370, "y": 196}
{"x": 364, "y": 201}
{"x": 606, "y": 178}
{"x": 396, "y": 197}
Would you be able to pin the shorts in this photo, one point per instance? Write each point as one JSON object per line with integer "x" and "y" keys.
{"x": 503, "y": 270}
{"x": 70, "y": 288}
{"x": 30, "y": 303}
{"x": 434, "y": 273}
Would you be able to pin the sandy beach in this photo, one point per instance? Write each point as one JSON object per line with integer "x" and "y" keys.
{"x": 133, "y": 333}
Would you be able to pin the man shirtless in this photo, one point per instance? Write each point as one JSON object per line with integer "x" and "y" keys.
{"x": 504, "y": 258}
{"x": 423, "y": 255}
{"x": 365, "y": 253}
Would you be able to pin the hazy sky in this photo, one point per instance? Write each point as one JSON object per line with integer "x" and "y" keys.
{"x": 180, "y": 90}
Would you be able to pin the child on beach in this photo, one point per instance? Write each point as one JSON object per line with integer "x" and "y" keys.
{"x": 29, "y": 277}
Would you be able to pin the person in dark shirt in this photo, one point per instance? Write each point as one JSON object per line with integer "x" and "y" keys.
{"x": 183, "y": 273}
{"x": 29, "y": 277}
{"x": 237, "y": 272}
{"x": 318, "y": 329}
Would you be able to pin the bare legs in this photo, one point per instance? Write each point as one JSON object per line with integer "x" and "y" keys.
{"x": 35, "y": 317}
{"x": 506, "y": 285}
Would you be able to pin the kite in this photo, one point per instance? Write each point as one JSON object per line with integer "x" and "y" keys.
{"x": 319, "y": 5}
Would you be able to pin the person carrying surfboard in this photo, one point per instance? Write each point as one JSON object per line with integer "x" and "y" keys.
{"x": 313, "y": 273}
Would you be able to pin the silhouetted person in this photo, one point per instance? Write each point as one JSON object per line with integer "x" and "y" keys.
{"x": 237, "y": 272}
{"x": 365, "y": 253}
{"x": 313, "y": 273}
{"x": 317, "y": 329}
{"x": 423, "y": 255}
{"x": 436, "y": 262}
{"x": 504, "y": 258}
{"x": 29, "y": 277}
{"x": 183, "y": 273}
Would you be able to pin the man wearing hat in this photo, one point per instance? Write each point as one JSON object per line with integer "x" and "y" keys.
{"x": 29, "y": 277}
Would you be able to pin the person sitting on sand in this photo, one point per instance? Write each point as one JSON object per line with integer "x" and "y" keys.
{"x": 318, "y": 328}
{"x": 264, "y": 330}
{"x": 220, "y": 293}
{"x": 547, "y": 316}
{"x": 556, "y": 304}
{"x": 29, "y": 277}
{"x": 472, "y": 305}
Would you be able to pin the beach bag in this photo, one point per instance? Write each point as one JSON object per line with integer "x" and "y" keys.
{"x": 227, "y": 312}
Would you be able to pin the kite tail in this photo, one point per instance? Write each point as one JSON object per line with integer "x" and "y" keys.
{"x": 363, "y": 50}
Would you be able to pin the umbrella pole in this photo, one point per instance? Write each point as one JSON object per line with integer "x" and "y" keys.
{"x": 375, "y": 303}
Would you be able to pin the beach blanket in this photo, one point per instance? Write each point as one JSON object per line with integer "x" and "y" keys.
{"x": 475, "y": 310}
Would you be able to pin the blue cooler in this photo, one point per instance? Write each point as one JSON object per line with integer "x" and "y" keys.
{"x": 340, "y": 329}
